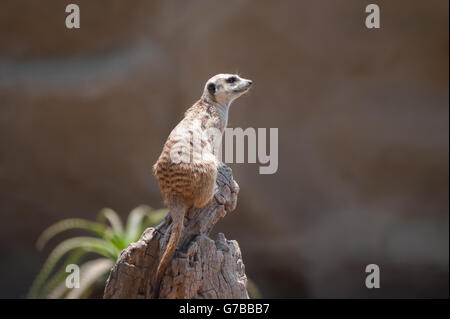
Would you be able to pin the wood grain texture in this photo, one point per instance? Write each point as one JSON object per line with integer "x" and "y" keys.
{"x": 201, "y": 267}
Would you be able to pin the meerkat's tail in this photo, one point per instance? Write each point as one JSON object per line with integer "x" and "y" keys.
{"x": 177, "y": 213}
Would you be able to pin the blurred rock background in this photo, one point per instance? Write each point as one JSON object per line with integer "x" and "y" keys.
{"x": 362, "y": 114}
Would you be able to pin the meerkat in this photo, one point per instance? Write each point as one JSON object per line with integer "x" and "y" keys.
{"x": 187, "y": 167}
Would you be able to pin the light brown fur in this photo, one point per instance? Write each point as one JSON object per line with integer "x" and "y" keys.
{"x": 191, "y": 184}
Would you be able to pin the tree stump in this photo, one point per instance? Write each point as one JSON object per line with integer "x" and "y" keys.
{"x": 200, "y": 268}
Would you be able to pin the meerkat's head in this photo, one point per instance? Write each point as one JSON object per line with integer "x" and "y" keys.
{"x": 225, "y": 88}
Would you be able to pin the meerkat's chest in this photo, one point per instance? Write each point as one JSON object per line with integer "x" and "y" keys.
{"x": 197, "y": 139}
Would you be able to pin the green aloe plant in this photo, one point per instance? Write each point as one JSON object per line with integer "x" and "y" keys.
{"x": 111, "y": 237}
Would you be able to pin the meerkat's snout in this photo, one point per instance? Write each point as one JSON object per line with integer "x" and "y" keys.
{"x": 243, "y": 86}
{"x": 248, "y": 83}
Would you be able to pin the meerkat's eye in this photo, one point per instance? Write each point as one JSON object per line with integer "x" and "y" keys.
{"x": 231, "y": 79}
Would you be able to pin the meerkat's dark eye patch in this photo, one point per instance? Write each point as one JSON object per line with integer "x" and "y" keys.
{"x": 211, "y": 88}
{"x": 231, "y": 79}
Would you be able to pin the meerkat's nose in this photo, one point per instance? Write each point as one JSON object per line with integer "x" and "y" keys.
{"x": 250, "y": 82}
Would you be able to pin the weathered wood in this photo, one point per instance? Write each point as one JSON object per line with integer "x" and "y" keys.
{"x": 201, "y": 267}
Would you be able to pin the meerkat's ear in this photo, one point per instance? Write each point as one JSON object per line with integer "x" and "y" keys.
{"x": 211, "y": 88}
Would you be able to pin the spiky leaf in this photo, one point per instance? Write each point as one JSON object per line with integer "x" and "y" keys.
{"x": 88, "y": 244}
{"x": 69, "y": 224}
